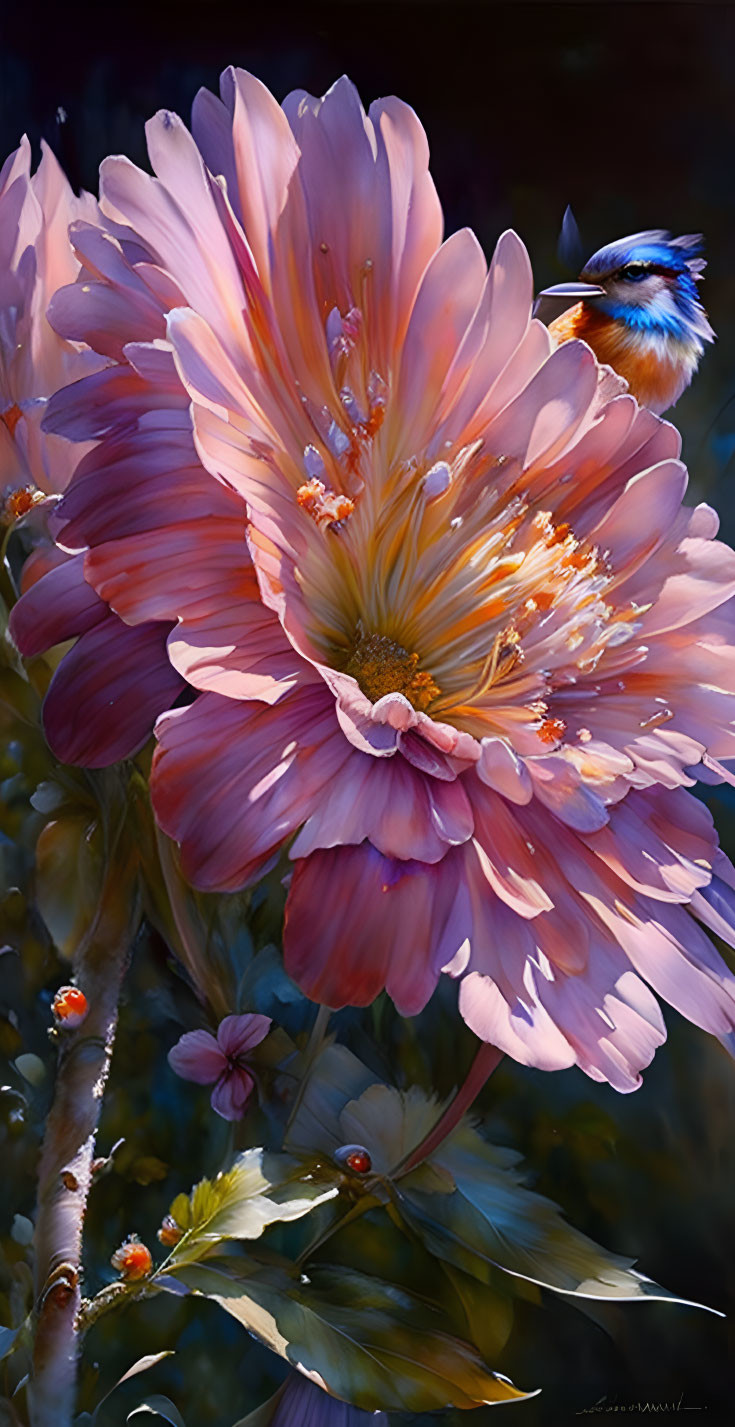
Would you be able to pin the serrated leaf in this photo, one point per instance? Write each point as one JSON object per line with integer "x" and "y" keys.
{"x": 337, "y": 1077}
{"x": 368, "y": 1342}
{"x": 260, "y": 1189}
{"x": 158, "y": 1406}
{"x": 467, "y": 1202}
{"x": 491, "y": 1218}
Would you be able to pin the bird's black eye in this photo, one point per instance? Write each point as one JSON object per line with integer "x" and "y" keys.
{"x": 634, "y": 272}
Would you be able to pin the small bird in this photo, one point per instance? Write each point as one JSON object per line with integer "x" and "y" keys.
{"x": 637, "y": 306}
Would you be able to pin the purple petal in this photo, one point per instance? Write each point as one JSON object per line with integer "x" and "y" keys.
{"x": 197, "y": 1056}
{"x": 231, "y": 1094}
{"x": 236, "y": 1035}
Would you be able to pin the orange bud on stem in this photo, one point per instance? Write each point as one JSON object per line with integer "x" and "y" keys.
{"x": 70, "y": 1007}
{"x": 132, "y": 1260}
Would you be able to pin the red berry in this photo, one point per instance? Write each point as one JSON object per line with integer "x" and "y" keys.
{"x": 359, "y": 1162}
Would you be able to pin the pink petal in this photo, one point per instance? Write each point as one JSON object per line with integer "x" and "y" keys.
{"x": 231, "y": 781}
{"x": 57, "y": 607}
{"x": 236, "y": 1035}
{"x": 107, "y": 693}
{"x": 403, "y": 813}
{"x": 504, "y": 771}
{"x": 357, "y": 922}
{"x": 197, "y": 1056}
{"x": 231, "y": 1094}
{"x": 557, "y": 784}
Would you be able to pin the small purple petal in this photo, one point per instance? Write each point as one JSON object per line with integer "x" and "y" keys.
{"x": 231, "y": 1094}
{"x": 197, "y": 1056}
{"x": 236, "y": 1035}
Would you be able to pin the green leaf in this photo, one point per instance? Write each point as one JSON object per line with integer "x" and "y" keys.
{"x": 7, "y": 1340}
{"x": 490, "y": 1218}
{"x": 467, "y": 1203}
{"x": 70, "y": 871}
{"x": 142, "y": 1365}
{"x": 366, "y": 1341}
{"x": 158, "y": 1406}
{"x": 260, "y": 1189}
{"x": 336, "y": 1078}
{"x": 488, "y": 1309}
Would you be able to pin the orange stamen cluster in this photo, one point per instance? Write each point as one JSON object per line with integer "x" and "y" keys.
{"x": 11, "y": 417}
{"x": 70, "y": 1006}
{"x": 325, "y": 507}
{"x": 132, "y": 1260}
{"x": 19, "y": 502}
{"x": 552, "y": 730}
{"x": 383, "y": 667}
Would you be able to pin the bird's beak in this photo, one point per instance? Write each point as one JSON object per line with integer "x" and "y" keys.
{"x": 577, "y": 290}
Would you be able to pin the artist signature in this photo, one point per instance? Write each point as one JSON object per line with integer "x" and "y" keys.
{"x": 612, "y": 1404}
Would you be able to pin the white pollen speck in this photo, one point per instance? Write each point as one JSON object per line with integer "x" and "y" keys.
{"x": 437, "y": 480}
{"x": 531, "y": 847}
{"x": 313, "y": 463}
{"x": 289, "y": 749}
{"x": 334, "y": 326}
{"x": 352, "y": 406}
{"x": 456, "y": 522}
{"x": 337, "y": 441}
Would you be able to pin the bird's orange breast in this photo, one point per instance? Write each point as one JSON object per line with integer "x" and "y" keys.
{"x": 656, "y": 371}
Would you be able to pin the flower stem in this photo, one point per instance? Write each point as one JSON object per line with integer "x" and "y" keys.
{"x": 486, "y": 1061}
{"x": 65, "y": 1170}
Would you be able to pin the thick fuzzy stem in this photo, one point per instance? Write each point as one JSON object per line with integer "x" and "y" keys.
{"x": 65, "y": 1170}
{"x": 486, "y": 1061}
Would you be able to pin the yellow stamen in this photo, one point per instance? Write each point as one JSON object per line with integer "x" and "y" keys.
{"x": 383, "y": 667}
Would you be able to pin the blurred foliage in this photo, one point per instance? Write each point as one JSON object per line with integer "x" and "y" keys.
{"x": 522, "y": 106}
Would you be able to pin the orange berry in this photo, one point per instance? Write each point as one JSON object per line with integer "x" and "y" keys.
{"x": 132, "y": 1260}
{"x": 70, "y": 1006}
{"x": 170, "y": 1232}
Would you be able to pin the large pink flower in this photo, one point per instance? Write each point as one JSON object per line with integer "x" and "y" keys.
{"x": 36, "y": 258}
{"x": 104, "y": 670}
{"x": 452, "y": 631}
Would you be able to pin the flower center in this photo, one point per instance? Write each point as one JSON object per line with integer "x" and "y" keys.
{"x": 383, "y": 667}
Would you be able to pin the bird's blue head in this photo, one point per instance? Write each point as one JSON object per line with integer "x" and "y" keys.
{"x": 648, "y": 281}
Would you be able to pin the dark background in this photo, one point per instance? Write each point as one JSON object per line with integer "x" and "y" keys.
{"x": 626, "y": 111}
